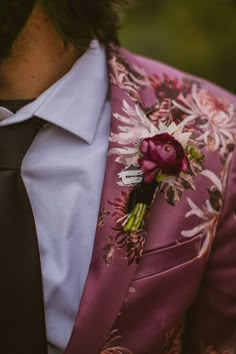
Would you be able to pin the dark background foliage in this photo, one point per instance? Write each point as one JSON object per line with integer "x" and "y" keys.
{"x": 197, "y": 36}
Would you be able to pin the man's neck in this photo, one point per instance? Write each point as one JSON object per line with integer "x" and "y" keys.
{"x": 38, "y": 59}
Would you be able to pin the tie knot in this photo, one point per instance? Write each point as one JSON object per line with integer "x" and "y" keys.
{"x": 15, "y": 140}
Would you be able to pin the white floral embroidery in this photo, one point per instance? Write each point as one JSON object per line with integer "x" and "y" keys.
{"x": 126, "y": 79}
{"x": 216, "y": 117}
{"x": 210, "y": 212}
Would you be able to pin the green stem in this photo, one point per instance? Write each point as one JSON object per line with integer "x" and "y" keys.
{"x": 135, "y": 219}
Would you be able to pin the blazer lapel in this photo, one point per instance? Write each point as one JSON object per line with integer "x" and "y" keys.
{"x": 107, "y": 285}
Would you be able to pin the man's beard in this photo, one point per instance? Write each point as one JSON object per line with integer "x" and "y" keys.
{"x": 13, "y": 16}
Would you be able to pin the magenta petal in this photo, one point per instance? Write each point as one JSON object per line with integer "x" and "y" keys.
{"x": 162, "y": 152}
{"x": 153, "y": 151}
{"x": 144, "y": 146}
{"x": 149, "y": 177}
{"x": 185, "y": 164}
{"x": 152, "y": 146}
{"x": 148, "y": 165}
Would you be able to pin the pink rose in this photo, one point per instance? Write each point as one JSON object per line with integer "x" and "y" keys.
{"x": 162, "y": 153}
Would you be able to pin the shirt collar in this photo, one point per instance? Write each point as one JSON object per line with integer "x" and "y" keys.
{"x": 75, "y": 102}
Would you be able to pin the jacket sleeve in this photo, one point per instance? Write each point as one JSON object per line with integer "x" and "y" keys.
{"x": 211, "y": 324}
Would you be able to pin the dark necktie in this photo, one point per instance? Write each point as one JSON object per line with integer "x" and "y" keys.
{"x": 22, "y": 322}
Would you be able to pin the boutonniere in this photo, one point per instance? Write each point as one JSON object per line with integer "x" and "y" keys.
{"x": 164, "y": 160}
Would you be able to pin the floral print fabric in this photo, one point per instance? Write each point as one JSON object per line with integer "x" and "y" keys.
{"x": 203, "y": 123}
{"x": 205, "y": 126}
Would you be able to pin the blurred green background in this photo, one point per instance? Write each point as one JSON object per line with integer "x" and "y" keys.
{"x": 197, "y": 36}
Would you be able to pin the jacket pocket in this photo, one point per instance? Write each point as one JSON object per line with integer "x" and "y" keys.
{"x": 166, "y": 258}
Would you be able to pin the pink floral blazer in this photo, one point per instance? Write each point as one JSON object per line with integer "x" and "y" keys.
{"x": 162, "y": 279}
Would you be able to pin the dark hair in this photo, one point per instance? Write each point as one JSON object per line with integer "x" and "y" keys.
{"x": 13, "y": 16}
{"x": 80, "y": 21}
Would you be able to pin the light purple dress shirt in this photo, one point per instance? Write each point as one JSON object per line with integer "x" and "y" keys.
{"x": 63, "y": 172}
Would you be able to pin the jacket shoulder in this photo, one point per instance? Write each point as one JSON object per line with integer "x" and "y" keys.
{"x": 153, "y": 67}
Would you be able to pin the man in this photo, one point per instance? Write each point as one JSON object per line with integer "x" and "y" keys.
{"x": 155, "y": 271}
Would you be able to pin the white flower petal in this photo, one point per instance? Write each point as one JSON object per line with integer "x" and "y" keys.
{"x": 216, "y": 181}
{"x": 195, "y": 231}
